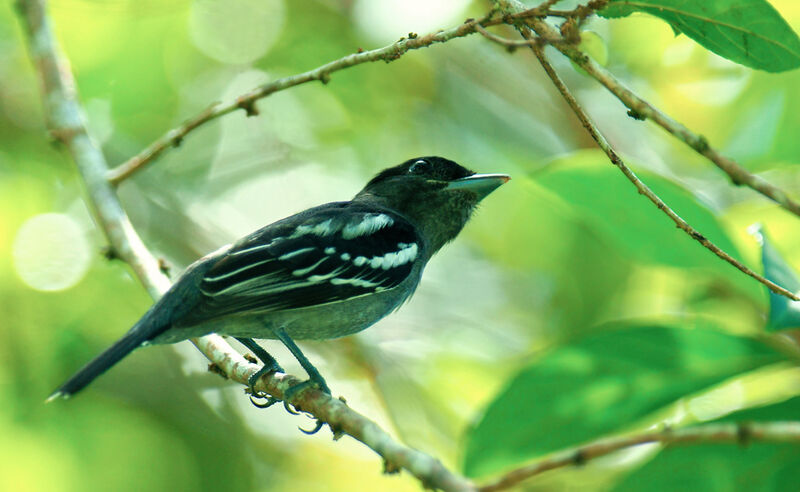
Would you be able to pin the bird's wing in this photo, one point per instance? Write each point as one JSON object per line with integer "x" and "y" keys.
{"x": 320, "y": 256}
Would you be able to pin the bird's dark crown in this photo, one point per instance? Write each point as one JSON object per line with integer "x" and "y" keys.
{"x": 427, "y": 168}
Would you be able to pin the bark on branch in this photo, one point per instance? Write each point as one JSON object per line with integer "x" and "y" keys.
{"x": 730, "y": 433}
{"x": 247, "y": 101}
{"x": 536, "y": 45}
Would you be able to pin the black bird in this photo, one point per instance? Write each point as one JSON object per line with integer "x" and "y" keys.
{"x": 326, "y": 272}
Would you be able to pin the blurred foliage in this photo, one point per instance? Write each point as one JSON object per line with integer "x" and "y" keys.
{"x": 622, "y": 374}
{"x": 783, "y": 313}
{"x": 569, "y": 307}
{"x": 762, "y": 466}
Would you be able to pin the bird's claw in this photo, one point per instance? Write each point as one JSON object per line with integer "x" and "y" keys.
{"x": 313, "y": 431}
{"x": 290, "y": 409}
{"x": 318, "y": 383}
{"x": 290, "y": 392}
{"x": 257, "y": 395}
{"x": 271, "y": 400}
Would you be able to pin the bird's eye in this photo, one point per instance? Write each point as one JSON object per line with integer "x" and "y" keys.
{"x": 420, "y": 167}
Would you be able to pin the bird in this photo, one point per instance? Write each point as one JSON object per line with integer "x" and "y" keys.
{"x": 326, "y": 272}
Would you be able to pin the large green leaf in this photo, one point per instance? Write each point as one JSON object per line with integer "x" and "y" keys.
{"x": 600, "y": 384}
{"x": 550, "y": 252}
{"x": 750, "y": 32}
{"x": 726, "y": 467}
{"x": 783, "y": 313}
{"x": 603, "y": 196}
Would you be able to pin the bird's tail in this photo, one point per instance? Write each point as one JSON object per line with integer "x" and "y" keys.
{"x": 141, "y": 332}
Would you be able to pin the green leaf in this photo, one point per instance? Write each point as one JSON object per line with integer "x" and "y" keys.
{"x": 599, "y": 384}
{"x": 749, "y": 32}
{"x": 783, "y": 313}
{"x": 564, "y": 261}
{"x": 786, "y": 410}
{"x": 604, "y": 197}
{"x": 726, "y": 467}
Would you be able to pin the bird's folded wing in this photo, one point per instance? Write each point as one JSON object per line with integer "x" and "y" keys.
{"x": 322, "y": 257}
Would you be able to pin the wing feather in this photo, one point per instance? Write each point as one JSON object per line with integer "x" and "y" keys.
{"x": 328, "y": 254}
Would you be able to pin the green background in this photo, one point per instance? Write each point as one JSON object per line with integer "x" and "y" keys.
{"x": 565, "y": 275}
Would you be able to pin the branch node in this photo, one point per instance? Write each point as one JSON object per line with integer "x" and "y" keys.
{"x": 579, "y": 458}
{"x": 109, "y": 253}
{"x": 164, "y": 267}
{"x": 390, "y": 468}
{"x": 597, "y": 4}
{"x": 63, "y": 135}
{"x": 214, "y": 368}
{"x": 336, "y": 431}
{"x": 413, "y": 35}
{"x": 696, "y": 235}
{"x": 249, "y": 106}
{"x": 570, "y": 32}
{"x": 701, "y": 144}
{"x": 636, "y": 115}
{"x": 324, "y": 77}
{"x": 744, "y": 433}
{"x": 390, "y": 57}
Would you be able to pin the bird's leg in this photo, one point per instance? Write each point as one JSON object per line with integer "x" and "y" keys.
{"x": 270, "y": 365}
{"x": 314, "y": 377}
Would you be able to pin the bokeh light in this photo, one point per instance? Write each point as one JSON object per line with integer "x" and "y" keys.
{"x": 50, "y": 252}
{"x": 387, "y": 20}
{"x": 236, "y": 31}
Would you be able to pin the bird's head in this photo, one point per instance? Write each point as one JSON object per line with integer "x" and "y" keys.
{"x": 435, "y": 194}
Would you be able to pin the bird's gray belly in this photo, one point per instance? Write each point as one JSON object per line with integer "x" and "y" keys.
{"x": 331, "y": 320}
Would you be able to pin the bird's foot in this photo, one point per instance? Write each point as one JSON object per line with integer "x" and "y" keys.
{"x": 316, "y": 381}
{"x": 259, "y": 395}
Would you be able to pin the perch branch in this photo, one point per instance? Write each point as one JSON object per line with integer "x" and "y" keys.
{"x": 644, "y": 110}
{"x": 65, "y": 121}
{"x": 322, "y": 73}
{"x": 733, "y": 433}
{"x": 643, "y": 189}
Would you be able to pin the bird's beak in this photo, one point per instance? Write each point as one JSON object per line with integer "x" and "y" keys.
{"x": 482, "y": 184}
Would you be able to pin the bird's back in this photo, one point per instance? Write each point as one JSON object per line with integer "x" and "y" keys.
{"x": 312, "y": 274}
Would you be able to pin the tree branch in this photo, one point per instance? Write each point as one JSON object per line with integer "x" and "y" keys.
{"x": 322, "y": 73}
{"x": 66, "y": 123}
{"x": 642, "y": 109}
{"x": 615, "y": 159}
{"x": 733, "y": 433}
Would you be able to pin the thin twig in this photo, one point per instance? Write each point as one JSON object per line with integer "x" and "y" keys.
{"x": 642, "y": 109}
{"x": 512, "y": 43}
{"x": 322, "y": 73}
{"x": 65, "y": 122}
{"x": 734, "y": 433}
{"x": 341, "y": 418}
{"x": 643, "y": 189}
